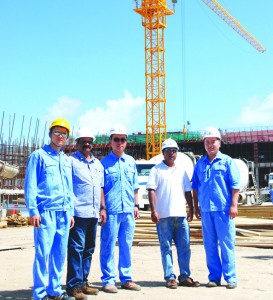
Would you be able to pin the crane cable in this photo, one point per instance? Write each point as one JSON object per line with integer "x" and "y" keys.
{"x": 183, "y": 54}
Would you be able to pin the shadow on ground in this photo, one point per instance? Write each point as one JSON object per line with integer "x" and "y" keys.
{"x": 263, "y": 257}
{"x": 16, "y": 295}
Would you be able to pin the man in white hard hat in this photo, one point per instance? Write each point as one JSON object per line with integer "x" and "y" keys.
{"x": 216, "y": 186}
{"x": 169, "y": 188}
{"x": 88, "y": 182}
{"x": 50, "y": 200}
{"x": 121, "y": 200}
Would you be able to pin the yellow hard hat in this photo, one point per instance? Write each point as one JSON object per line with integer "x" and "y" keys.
{"x": 62, "y": 123}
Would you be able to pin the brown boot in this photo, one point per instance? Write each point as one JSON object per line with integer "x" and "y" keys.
{"x": 89, "y": 290}
{"x": 77, "y": 293}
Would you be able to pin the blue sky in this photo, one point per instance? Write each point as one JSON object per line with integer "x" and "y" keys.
{"x": 84, "y": 60}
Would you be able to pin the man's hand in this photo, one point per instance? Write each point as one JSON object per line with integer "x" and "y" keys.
{"x": 72, "y": 222}
{"x": 189, "y": 215}
{"x": 136, "y": 212}
{"x": 197, "y": 212}
{"x": 35, "y": 221}
{"x": 233, "y": 212}
{"x": 155, "y": 217}
{"x": 102, "y": 217}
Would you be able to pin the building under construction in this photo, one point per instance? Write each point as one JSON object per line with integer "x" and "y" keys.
{"x": 253, "y": 145}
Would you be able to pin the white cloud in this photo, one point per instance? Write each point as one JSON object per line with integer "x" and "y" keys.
{"x": 65, "y": 107}
{"x": 257, "y": 112}
{"x": 128, "y": 111}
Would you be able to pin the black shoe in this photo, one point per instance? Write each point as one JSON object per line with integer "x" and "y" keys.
{"x": 63, "y": 296}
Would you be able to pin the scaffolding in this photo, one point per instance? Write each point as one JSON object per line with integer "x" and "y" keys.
{"x": 255, "y": 144}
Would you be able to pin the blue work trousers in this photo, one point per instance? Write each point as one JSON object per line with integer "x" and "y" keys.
{"x": 81, "y": 247}
{"x": 174, "y": 229}
{"x": 50, "y": 242}
{"x": 119, "y": 227}
{"x": 219, "y": 228}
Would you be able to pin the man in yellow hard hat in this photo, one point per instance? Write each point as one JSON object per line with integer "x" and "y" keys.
{"x": 50, "y": 200}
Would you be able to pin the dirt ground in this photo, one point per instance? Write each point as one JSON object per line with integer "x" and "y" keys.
{"x": 254, "y": 266}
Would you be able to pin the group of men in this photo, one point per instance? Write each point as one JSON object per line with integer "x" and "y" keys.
{"x": 67, "y": 197}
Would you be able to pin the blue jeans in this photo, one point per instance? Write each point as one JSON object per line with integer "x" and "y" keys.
{"x": 174, "y": 229}
{"x": 217, "y": 228}
{"x": 81, "y": 246}
{"x": 119, "y": 227}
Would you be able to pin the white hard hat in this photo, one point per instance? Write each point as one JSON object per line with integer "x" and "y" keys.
{"x": 212, "y": 132}
{"x": 85, "y": 132}
{"x": 118, "y": 129}
{"x": 169, "y": 143}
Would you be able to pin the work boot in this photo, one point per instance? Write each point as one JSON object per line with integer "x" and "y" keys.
{"x": 109, "y": 288}
{"x": 77, "y": 293}
{"x": 89, "y": 290}
{"x": 63, "y": 296}
{"x": 130, "y": 285}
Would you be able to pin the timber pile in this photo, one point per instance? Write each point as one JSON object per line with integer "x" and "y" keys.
{"x": 250, "y": 232}
{"x": 17, "y": 220}
{"x": 256, "y": 211}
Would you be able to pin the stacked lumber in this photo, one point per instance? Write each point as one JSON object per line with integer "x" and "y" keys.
{"x": 17, "y": 220}
{"x": 256, "y": 211}
{"x": 250, "y": 232}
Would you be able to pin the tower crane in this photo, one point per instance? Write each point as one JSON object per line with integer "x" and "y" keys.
{"x": 154, "y": 13}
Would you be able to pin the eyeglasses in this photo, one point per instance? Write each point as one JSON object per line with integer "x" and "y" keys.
{"x": 117, "y": 140}
{"x": 59, "y": 132}
{"x": 174, "y": 150}
{"x": 83, "y": 142}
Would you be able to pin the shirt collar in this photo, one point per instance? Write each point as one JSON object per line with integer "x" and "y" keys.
{"x": 115, "y": 157}
{"x": 82, "y": 157}
{"x": 51, "y": 151}
{"x": 218, "y": 156}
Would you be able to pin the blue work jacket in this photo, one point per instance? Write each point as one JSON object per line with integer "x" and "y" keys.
{"x": 215, "y": 181}
{"x": 48, "y": 182}
{"x": 120, "y": 182}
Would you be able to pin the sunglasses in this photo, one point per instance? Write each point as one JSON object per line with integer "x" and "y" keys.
{"x": 117, "y": 140}
{"x": 83, "y": 142}
{"x": 59, "y": 132}
{"x": 174, "y": 150}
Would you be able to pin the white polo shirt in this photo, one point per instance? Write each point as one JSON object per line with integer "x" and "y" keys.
{"x": 170, "y": 185}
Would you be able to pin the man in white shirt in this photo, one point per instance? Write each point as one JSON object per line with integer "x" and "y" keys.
{"x": 169, "y": 188}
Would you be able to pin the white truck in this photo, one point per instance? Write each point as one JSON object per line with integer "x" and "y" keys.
{"x": 249, "y": 193}
{"x": 143, "y": 169}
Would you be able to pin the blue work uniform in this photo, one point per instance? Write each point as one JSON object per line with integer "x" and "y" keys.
{"x": 49, "y": 193}
{"x": 88, "y": 179}
{"x": 120, "y": 182}
{"x": 214, "y": 182}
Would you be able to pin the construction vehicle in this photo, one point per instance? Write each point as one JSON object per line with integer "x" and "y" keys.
{"x": 143, "y": 168}
{"x": 269, "y": 189}
{"x": 7, "y": 171}
{"x": 249, "y": 192}
{"x": 154, "y": 13}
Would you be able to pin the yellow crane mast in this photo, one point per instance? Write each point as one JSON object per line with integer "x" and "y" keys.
{"x": 154, "y": 14}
